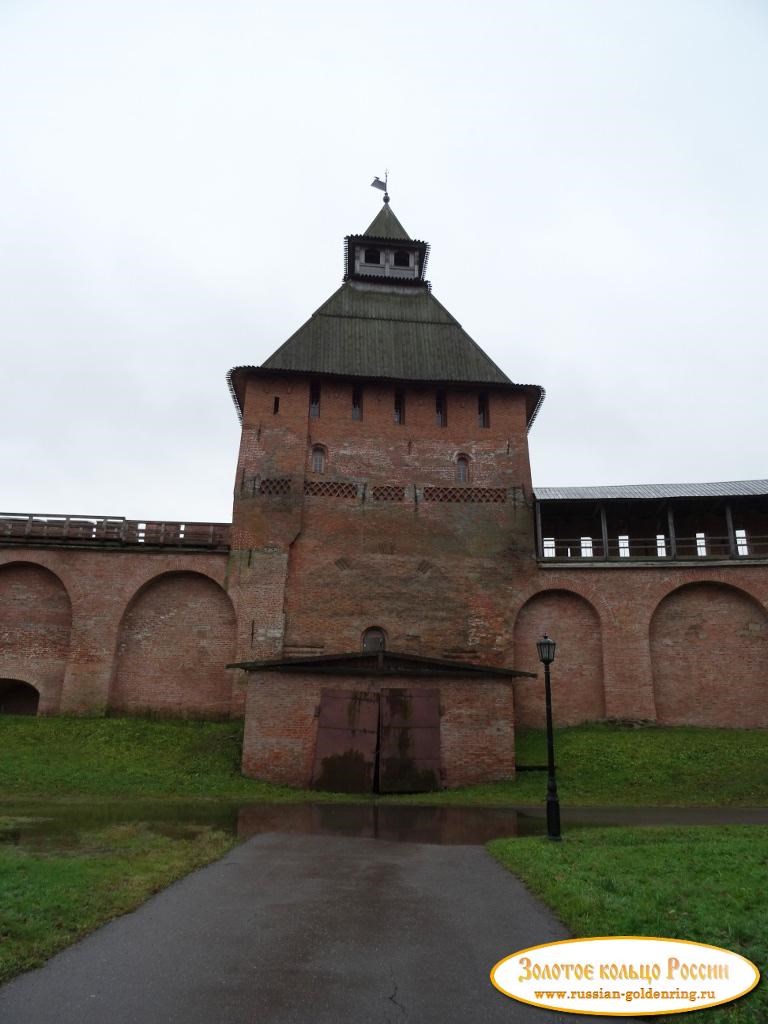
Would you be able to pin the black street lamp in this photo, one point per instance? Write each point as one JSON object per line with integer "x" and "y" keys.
{"x": 546, "y": 649}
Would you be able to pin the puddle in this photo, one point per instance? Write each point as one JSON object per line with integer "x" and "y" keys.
{"x": 46, "y": 828}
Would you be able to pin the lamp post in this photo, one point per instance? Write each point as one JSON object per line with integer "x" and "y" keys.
{"x": 546, "y": 649}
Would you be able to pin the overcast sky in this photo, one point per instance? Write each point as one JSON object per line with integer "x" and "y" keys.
{"x": 176, "y": 179}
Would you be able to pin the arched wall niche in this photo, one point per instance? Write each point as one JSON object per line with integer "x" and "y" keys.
{"x": 18, "y": 697}
{"x": 35, "y": 628}
{"x": 176, "y": 636}
{"x": 578, "y": 689}
{"x": 709, "y": 654}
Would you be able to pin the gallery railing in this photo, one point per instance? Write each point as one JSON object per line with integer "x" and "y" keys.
{"x": 652, "y": 549}
{"x": 110, "y": 531}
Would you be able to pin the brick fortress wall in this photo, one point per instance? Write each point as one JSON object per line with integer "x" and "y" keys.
{"x": 683, "y": 645}
{"x": 98, "y": 630}
{"x": 377, "y": 540}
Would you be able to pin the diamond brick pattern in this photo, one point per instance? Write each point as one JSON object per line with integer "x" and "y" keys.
{"x": 475, "y": 495}
{"x": 388, "y": 492}
{"x": 275, "y": 485}
{"x": 329, "y": 489}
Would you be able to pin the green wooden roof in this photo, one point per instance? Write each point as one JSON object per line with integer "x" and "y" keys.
{"x": 368, "y": 331}
{"x": 386, "y": 225}
{"x": 385, "y": 329}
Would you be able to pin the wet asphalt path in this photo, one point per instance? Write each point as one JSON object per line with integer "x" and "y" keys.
{"x": 304, "y": 929}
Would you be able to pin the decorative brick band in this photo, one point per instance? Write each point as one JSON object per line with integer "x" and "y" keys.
{"x": 388, "y": 492}
{"x": 329, "y": 489}
{"x": 476, "y": 495}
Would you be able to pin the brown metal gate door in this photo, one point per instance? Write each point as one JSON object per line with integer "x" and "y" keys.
{"x": 347, "y": 730}
{"x": 409, "y": 741}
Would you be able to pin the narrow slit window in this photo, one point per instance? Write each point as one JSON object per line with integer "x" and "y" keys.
{"x": 701, "y": 545}
{"x": 742, "y": 546}
{"x": 399, "y": 407}
{"x": 357, "y": 403}
{"x": 441, "y": 412}
{"x": 462, "y": 469}
{"x": 276, "y": 406}
{"x": 318, "y": 459}
{"x": 483, "y": 411}
{"x": 314, "y": 400}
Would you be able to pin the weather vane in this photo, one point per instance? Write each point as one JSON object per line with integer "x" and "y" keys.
{"x": 378, "y": 183}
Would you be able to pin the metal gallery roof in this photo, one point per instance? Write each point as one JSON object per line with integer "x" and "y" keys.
{"x": 720, "y": 489}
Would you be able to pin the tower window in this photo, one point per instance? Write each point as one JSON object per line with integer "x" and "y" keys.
{"x": 402, "y": 258}
{"x": 372, "y": 256}
{"x": 399, "y": 408}
{"x": 483, "y": 412}
{"x": 374, "y": 639}
{"x": 314, "y": 400}
{"x": 357, "y": 403}
{"x": 276, "y": 406}
{"x": 318, "y": 459}
{"x": 441, "y": 412}
{"x": 462, "y": 469}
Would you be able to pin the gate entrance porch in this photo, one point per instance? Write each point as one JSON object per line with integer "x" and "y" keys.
{"x": 382, "y": 742}
{"x": 378, "y": 722}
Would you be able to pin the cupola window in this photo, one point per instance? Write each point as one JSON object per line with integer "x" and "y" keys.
{"x": 402, "y": 258}
{"x": 372, "y": 256}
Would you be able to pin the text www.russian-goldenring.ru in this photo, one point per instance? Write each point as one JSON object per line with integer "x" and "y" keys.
{"x": 684, "y": 995}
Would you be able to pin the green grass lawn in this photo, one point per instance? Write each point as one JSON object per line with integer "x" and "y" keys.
{"x": 52, "y": 894}
{"x": 72, "y": 758}
{"x": 707, "y": 884}
{"x": 703, "y": 884}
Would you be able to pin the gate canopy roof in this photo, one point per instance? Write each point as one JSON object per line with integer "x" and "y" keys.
{"x": 389, "y": 663}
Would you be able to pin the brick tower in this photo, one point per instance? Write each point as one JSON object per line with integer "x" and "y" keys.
{"x": 382, "y": 520}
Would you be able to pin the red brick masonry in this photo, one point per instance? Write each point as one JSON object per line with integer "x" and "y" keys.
{"x": 386, "y": 536}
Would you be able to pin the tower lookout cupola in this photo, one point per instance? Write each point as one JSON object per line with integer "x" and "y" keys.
{"x": 385, "y": 253}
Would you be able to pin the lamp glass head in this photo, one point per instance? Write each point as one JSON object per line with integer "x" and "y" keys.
{"x": 546, "y": 649}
